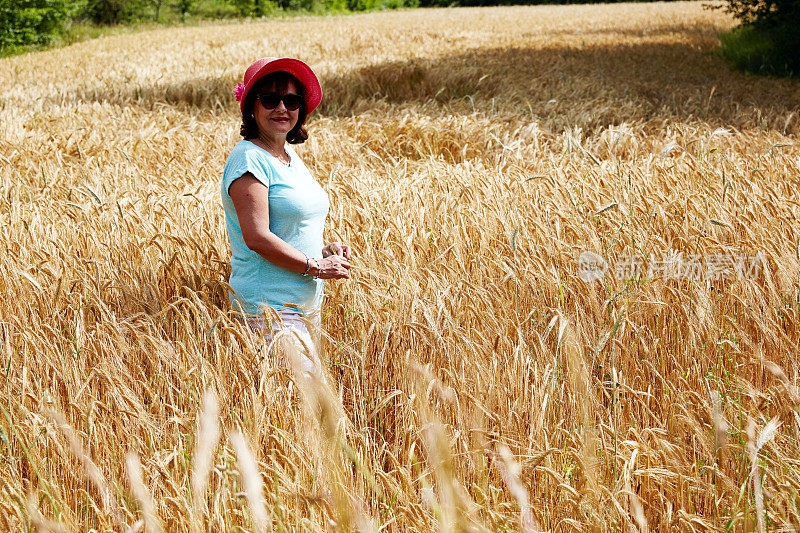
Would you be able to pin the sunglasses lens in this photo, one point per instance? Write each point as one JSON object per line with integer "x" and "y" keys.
{"x": 270, "y": 101}
{"x": 292, "y": 101}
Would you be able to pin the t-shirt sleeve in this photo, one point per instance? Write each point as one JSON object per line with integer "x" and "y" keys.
{"x": 242, "y": 161}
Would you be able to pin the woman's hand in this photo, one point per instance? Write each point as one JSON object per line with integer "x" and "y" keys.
{"x": 336, "y": 248}
{"x": 331, "y": 267}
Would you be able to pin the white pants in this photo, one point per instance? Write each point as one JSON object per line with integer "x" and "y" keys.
{"x": 302, "y": 331}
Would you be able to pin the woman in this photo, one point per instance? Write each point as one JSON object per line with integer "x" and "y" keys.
{"x": 274, "y": 209}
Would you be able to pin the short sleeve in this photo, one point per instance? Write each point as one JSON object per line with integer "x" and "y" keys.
{"x": 243, "y": 160}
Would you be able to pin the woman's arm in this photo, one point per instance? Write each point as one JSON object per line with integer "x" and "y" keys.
{"x": 251, "y": 201}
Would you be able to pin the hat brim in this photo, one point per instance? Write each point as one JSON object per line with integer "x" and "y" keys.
{"x": 311, "y": 87}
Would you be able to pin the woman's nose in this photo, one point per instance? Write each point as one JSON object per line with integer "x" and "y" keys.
{"x": 280, "y": 106}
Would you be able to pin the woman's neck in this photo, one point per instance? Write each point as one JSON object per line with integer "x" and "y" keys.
{"x": 273, "y": 144}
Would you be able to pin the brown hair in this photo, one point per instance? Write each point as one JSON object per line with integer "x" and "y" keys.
{"x": 280, "y": 79}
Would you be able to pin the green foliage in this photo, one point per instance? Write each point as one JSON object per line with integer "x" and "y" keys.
{"x": 314, "y": 6}
{"x": 397, "y": 4}
{"x": 111, "y": 11}
{"x": 214, "y": 9}
{"x": 764, "y": 49}
{"x": 25, "y": 22}
{"x": 765, "y": 12}
{"x": 255, "y": 8}
{"x": 360, "y": 5}
{"x": 184, "y": 7}
{"x": 768, "y": 38}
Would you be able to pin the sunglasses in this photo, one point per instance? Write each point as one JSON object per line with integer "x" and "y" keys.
{"x": 272, "y": 100}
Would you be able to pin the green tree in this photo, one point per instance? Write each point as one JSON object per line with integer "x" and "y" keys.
{"x": 765, "y": 12}
{"x": 184, "y": 7}
{"x": 768, "y": 39}
{"x": 244, "y": 8}
{"x": 119, "y": 11}
{"x": 107, "y": 11}
{"x": 156, "y": 5}
{"x": 32, "y": 21}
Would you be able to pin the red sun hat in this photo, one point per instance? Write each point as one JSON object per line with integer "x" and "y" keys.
{"x": 267, "y": 65}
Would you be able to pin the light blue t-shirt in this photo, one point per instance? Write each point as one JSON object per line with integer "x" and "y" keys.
{"x": 298, "y": 207}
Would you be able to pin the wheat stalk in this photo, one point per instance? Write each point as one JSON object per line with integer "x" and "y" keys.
{"x": 205, "y": 445}
{"x": 142, "y": 494}
{"x": 251, "y": 478}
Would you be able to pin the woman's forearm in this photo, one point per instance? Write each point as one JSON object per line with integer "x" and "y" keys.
{"x": 279, "y": 252}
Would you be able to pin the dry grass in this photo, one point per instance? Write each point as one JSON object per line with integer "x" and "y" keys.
{"x": 470, "y": 156}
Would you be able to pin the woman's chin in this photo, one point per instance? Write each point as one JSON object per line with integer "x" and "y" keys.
{"x": 281, "y": 130}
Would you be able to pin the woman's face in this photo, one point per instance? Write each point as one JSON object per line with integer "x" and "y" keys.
{"x": 277, "y": 122}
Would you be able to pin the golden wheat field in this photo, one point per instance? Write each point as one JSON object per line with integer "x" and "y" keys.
{"x": 477, "y": 381}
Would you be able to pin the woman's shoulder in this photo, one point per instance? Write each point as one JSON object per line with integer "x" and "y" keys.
{"x": 246, "y": 153}
{"x": 247, "y": 157}
{"x": 243, "y": 147}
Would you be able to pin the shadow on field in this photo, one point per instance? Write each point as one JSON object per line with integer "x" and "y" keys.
{"x": 212, "y": 93}
{"x": 590, "y": 87}
{"x": 585, "y": 87}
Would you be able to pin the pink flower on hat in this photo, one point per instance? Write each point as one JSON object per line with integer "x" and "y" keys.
{"x": 238, "y": 91}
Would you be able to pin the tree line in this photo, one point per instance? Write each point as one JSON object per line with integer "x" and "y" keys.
{"x": 766, "y": 41}
{"x": 30, "y": 22}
